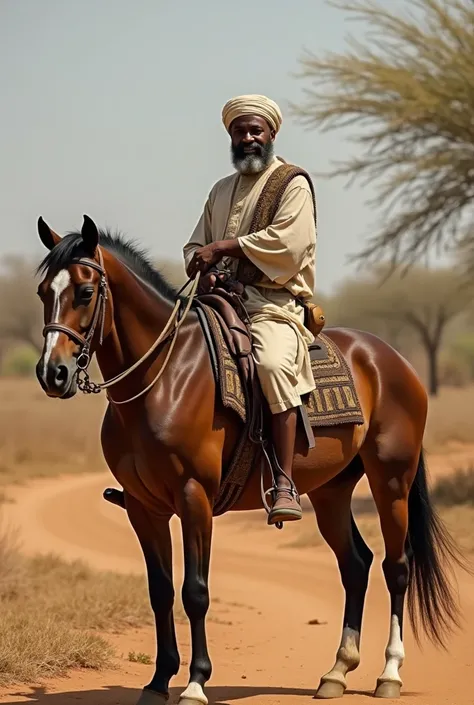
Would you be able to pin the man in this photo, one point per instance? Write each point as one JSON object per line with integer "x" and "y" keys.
{"x": 284, "y": 254}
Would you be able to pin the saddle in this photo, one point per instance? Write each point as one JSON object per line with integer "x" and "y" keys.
{"x": 235, "y": 327}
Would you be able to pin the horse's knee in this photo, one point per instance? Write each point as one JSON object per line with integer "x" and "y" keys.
{"x": 355, "y": 569}
{"x": 195, "y": 596}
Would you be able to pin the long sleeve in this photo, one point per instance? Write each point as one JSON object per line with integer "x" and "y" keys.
{"x": 287, "y": 246}
{"x": 202, "y": 234}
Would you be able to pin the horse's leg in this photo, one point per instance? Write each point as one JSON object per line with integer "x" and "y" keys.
{"x": 390, "y": 480}
{"x": 196, "y": 521}
{"x": 154, "y": 535}
{"x": 332, "y": 504}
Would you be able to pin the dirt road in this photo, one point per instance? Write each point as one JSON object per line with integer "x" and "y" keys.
{"x": 264, "y": 651}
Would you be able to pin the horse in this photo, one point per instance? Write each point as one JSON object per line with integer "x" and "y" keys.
{"x": 167, "y": 437}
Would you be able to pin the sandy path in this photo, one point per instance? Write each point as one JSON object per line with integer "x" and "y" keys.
{"x": 265, "y": 592}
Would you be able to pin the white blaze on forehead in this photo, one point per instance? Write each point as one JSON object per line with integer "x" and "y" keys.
{"x": 59, "y": 284}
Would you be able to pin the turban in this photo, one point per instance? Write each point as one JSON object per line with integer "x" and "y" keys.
{"x": 252, "y": 105}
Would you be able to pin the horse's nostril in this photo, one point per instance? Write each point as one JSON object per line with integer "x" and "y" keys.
{"x": 61, "y": 375}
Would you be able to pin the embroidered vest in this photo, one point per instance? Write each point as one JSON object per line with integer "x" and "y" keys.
{"x": 265, "y": 211}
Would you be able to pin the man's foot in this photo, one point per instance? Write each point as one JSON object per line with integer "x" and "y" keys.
{"x": 286, "y": 507}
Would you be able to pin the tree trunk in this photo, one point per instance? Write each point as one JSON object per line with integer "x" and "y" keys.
{"x": 433, "y": 372}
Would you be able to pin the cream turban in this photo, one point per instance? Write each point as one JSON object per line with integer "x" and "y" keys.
{"x": 252, "y": 105}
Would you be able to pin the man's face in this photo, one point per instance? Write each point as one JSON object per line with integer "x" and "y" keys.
{"x": 251, "y": 144}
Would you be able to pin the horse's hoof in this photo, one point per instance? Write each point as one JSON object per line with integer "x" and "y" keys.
{"x": 151, "y": 697}
{"x": 330, "y": 689}
{"x": 193, "y": 695}
{"x": 388, "y": 689}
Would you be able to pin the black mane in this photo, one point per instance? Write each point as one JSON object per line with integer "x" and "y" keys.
{"x": 71, "y": 246}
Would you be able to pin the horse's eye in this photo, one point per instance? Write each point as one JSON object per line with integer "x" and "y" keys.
{"x": 87, "y": 293}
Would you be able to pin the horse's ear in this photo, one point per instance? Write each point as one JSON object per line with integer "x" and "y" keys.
{"x": 90, "y": 235}
{"x": 47, "y": 236}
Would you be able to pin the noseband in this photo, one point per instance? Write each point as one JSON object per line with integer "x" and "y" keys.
{"x": 84, "y": 382}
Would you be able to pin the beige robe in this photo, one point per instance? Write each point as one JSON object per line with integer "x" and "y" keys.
{"x": 285, "y": 254}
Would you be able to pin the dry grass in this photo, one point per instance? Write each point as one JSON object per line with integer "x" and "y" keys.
{"x": 51, "y": 611}
{"x": 55, "y": 615}
{"x": 456, "y": 489}
{"x": 139, "y": 657}
{"x": 82, "y": 597}
{"x": 34, "y": 647}
{"x": 450, "y": 417}
{"x": 44, "y": 437}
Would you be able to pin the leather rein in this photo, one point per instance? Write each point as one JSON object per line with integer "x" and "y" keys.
{"x": 175, "y": 321}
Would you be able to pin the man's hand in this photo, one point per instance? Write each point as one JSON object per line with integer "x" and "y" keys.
{"x": 207, "y": 283}
{"x": 204, "y": 258}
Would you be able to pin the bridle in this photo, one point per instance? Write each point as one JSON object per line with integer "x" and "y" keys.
{"x": 175, "y": 321}
{"x": 85, "y": 341}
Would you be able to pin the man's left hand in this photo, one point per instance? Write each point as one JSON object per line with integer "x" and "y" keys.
{"x": 204, "y": 258}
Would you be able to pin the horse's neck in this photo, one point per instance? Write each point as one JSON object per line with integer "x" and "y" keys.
{"x": 139, "y": 316}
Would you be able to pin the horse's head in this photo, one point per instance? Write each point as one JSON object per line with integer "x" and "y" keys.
{"x": 74, "y": 294}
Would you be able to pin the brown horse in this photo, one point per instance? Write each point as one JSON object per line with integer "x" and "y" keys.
{"x": 167, "y": 448}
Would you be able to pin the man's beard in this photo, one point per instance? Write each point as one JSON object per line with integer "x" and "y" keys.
{"x": 252, "y": 163}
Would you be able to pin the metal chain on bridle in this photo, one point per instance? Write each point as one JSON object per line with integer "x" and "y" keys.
{"x": 168, "y": 334}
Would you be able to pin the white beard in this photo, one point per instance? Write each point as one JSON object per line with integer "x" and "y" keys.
{"x": 253, "y": 163}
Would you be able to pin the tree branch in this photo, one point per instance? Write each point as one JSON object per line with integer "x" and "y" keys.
{"x": 410, "y": 90}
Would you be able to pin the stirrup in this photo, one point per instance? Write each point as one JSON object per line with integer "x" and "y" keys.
{"x": 292, "y": 514}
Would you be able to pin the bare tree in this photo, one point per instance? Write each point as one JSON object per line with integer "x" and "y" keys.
{"x": 423, "y": 302}
{"x": 20, "y": 310}
{"x": 410, "y": 88}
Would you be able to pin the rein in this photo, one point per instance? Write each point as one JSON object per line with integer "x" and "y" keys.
{"x": 169, "y": 332}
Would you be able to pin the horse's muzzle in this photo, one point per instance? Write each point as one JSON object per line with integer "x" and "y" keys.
{"x": 57, "y": 378}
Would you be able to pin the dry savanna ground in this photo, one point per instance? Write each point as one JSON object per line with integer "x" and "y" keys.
{"x": 58, "y": 615}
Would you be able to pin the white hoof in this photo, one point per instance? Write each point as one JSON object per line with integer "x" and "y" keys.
{"x": 193, "y": 695}
{"x": 151, "y": 697}
{"x": 388, "y": 689}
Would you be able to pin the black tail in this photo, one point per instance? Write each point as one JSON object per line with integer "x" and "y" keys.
{"x": 432, "y": 555}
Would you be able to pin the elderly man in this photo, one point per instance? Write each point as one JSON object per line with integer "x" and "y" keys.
{"x": 284, "y": 257}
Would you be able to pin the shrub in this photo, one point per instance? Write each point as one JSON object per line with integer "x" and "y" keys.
{"x": 456, "y": 489}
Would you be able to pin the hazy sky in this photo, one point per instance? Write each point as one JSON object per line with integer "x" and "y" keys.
{"x": 112, "y": 108}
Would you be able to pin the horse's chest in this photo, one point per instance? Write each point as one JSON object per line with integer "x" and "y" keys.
{"x": 136, "y": 455}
